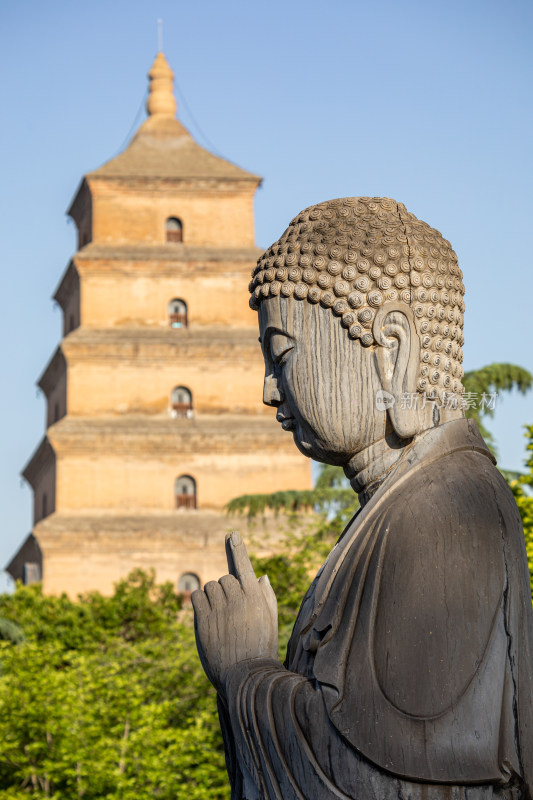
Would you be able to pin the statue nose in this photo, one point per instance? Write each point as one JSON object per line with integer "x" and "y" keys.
{"x": 272, "y": 394}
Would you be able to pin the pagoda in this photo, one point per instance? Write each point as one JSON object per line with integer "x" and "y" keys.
{"x": 154, "y": 419}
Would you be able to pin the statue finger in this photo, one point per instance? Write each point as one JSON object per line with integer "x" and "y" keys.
{"x": 214, "y": 594}
{"x": 199, "y": 602}
{"x": 268, "y": 592}
{"x": 239, "y": 564}
{"x": 231, "y": 588}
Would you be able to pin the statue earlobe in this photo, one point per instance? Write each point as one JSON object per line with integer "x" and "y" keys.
{"x": 397, "y": 359}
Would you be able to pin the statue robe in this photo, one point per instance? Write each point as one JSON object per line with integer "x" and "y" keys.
{"x": 409, "y": 672}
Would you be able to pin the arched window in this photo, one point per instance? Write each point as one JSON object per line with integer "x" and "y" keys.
{"x": 185, "y": 492}
{"x": 174, "y": 229}
{"x": 181, "y": 402}
{"x": 31, "y": 573}
{"x": 188, "y": 582}
{"x": 177, "y": 313}
{"x": 45, "y": 505}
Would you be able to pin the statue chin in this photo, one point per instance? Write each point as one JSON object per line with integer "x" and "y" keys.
{"x": 324, "y": 452}
{"x": 306, "y": 443}
{"x": 304, "y": 447}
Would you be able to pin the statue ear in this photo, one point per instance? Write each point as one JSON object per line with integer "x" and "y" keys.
{"x": 397, "y": 359}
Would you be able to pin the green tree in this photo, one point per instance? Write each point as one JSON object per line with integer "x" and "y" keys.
{"x": 481, "y": 384}
{"x": 10, "y": 632}
{"x": 521, "y": 487}
{"x": 106, "y": 698}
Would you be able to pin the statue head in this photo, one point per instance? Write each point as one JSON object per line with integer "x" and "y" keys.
{"x": 377, "y": 296}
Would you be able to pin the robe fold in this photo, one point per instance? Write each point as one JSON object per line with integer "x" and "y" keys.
{"x": 409, "y": 672}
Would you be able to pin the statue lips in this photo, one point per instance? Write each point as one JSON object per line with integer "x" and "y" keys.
{"x": 287, "y": 423}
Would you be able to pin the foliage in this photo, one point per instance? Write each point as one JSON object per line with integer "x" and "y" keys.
{"x": 497, "y": 378}
{"x": 291, "y": 501}
{"x": 105, "y": 698}
{"x": 521, "y": 488}
{"x": 479, "y": 384}
{"x": 331, "y": 495}
{"x": 9, "y": 631}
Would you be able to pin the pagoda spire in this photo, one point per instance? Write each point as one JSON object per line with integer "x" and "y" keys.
{"x": 161, "y": 101}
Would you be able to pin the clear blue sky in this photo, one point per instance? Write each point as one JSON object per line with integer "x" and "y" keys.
{"x": 426, "y": 102}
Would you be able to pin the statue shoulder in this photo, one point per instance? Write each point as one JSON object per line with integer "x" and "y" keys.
{"x": 442, "y": 567}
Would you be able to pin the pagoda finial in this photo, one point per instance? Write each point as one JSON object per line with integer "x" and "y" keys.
{"x": 161, "y": 101}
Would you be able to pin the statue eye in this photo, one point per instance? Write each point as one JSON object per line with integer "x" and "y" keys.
{"x": 280, "y": 347}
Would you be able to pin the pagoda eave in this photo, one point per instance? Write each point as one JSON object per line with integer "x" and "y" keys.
{"x": 55, "y": 367}
{"x": 189, "y": 526}
{"x": 164, "y": 342}
{"x": 186, "y": 181}
{"x": 164, "y": 437}
{"x": 42, "y": 457}
{"x": 166, "y": 253}
{"x": 68, "y": 282}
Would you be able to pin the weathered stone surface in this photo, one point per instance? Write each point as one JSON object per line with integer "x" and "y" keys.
{"x": 409, "y": 673}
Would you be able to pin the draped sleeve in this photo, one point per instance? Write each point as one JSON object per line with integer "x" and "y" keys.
{"x": 411, "y": 658}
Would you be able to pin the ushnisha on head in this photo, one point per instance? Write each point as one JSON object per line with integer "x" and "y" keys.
{"x": 358, "y": 257}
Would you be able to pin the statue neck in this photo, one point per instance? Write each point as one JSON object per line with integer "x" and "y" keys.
{"x": 367, "y": 470}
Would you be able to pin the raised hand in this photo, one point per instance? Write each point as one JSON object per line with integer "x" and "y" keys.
{"x": 236, "y": 618}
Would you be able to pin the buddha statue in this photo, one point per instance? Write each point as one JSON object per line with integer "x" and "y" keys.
{"x": 409, "y": 672}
